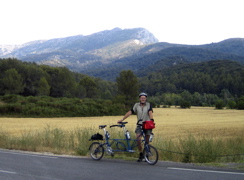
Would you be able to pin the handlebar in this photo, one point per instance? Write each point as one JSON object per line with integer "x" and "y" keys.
{"x": 121, "y": 124}
{"x": 138, "y": 122}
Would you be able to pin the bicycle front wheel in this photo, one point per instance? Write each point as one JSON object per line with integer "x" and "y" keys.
{"x": 96, "y": 150}
{"x": 150, "y": 154}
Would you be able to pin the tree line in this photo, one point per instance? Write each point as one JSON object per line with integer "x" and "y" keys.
{"x": 206, "y": 77}
{"x": 30, "y": 79}
{"x": 185, "y": 85}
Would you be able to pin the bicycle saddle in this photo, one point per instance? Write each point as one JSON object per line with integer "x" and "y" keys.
{"x": 102, "y": 126}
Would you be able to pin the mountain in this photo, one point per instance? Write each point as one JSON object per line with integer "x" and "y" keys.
{"x": 106, "y": 53}
{"x": 144, "y": 64}
{"x": 82, "y": 44}
{"x": 232, "y": 46}
{"x": 80, "y": 51}
{"x": 8, "y": 49}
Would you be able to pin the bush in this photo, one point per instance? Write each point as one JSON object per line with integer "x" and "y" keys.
{"x": 32, "y": 106}
{"x": 185, "y": 104}
{"x": 11, "y": 98}
{"x": 240, "y": 103}
{"x": 219, "y": 104}
{"x": 32, "y": 99}
{"x": 231, "y": 104}
{"x": 4, "y": 109}
{"x": 11, "y": 108}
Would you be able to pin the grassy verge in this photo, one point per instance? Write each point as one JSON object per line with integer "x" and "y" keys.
{"x": 202, "y": 150}
{"x": 75, "y": 142}
{"x": 49, "y": 139}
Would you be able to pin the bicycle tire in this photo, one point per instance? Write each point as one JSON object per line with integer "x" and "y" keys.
{"x": 150, "y": 154}
{"x": 96, "y": 151}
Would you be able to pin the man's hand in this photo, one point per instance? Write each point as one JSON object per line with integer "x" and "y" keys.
{"x": 119, "y": 121}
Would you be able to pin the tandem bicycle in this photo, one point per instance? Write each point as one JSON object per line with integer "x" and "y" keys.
{"x": 110, "y": 146}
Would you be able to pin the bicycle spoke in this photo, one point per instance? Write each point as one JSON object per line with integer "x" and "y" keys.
{"x": 96, "y": 151}
{"x": 150, "y": 154}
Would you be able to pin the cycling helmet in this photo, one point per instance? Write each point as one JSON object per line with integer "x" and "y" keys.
{"x": 143, "y": 94}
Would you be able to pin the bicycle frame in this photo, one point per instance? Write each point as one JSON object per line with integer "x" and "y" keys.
{"x": 130, "y": 143}
{"x": 97, "y": 149}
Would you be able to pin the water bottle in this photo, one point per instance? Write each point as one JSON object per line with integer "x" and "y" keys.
{"x": 108, "y": 135}
{"x": 127, "y": 134}
{"x": 151, "y": 137}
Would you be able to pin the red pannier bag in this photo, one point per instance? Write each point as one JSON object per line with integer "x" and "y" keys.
{"x": 148, "y": 124}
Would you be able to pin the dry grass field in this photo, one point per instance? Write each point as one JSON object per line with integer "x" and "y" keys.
{"x": 171, "y": 123}
{"x": 199, "y": 134}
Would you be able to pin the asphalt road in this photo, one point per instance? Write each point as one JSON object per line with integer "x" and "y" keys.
{"x": 19, "y": 165}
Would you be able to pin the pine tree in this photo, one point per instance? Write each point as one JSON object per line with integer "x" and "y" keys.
{"x": 43, "y": 87}
{"x": 128, "y": 86}
{"x": 12, "y": 82}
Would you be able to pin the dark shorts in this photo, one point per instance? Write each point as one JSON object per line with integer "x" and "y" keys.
{"x": 139, "y": 128}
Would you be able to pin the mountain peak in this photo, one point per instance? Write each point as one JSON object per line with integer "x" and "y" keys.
{"x": 145, "y": 36}
{"x": 80, "y": 43}
{"x": 118, "y": 34}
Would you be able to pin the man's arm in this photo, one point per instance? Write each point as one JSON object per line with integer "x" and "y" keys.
{"x": 125, "y": 116}
{"x": 150, "y": 114}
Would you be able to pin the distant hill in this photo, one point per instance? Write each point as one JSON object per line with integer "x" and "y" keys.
{"x": 210, "y": 67}
{"x": 167, "y": 57}
{"x": 202, "y": 77}
{"x": 106, "y": 53}
{"x": 232, "y": 46}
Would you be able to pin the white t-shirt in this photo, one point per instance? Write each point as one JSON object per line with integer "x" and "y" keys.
{"x": 142, "y": 112}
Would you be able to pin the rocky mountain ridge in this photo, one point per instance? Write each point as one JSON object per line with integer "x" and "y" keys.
{"x": 79, "y": 43}
{"x": 114, "y": 50}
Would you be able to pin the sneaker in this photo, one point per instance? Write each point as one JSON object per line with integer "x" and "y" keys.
{"x": 140, "y": 157}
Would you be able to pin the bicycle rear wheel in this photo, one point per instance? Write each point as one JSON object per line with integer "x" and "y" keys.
{"x": 150, "y": 154}
{"x": 96, "y": 150}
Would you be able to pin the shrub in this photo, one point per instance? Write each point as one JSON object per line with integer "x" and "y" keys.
{"x": 4, "y": 109}
{"x": 231, "y": 104}
{"x": 219, "y": 104}
{"x": 32, "y": 99}
{"x": 240, "y": 103}
{"x": 185, "y": 104}
{"x": 11, "y": 98}
{"x": 58, "y": 107}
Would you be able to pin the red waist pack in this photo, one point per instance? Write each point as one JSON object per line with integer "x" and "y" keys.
{"x": 148, "y": 124}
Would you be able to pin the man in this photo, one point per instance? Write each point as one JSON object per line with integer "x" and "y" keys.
{"x": 144, "y": 112}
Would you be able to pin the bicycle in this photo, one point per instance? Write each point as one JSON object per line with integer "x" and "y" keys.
{"x": 111, "y": 146}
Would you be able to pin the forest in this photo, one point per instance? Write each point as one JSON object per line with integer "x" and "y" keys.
{"x": 209, "y": 77}
{"x": 208, "y": 83}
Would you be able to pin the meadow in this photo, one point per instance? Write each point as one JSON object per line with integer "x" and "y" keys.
{"x": 199, "y": 134}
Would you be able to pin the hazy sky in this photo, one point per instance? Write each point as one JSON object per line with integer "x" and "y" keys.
{"x": 173, "y": 21}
